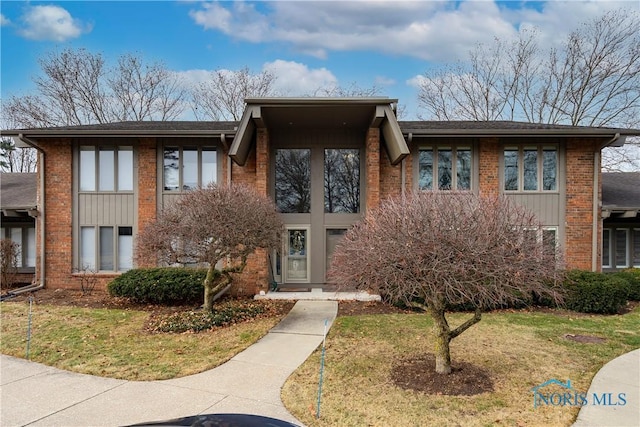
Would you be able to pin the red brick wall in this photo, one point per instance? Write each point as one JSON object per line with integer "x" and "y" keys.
{"x": 580, "y": 155}
{"x": 58, "y": 215}
{"x": 372, "y": 168}
{"x": 489, "y": 166}
{"x": 256, "y": 174}
{"x": 147, "y": 185}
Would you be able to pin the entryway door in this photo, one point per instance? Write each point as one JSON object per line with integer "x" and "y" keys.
{"x": 318, "y": 192}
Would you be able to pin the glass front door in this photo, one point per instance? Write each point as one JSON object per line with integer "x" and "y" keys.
{"x": 317, "y": 191}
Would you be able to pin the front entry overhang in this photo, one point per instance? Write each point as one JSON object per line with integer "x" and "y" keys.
{"x": 319, "y": 113}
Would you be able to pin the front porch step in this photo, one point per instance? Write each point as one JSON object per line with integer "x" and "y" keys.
{"x": 318, "y": 294}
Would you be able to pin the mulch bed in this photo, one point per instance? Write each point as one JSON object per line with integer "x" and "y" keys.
{"x": 418, "y": 374}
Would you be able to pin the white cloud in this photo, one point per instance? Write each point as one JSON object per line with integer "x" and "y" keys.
{"x": 384, "y": 81}
{"x": 51, "y": 23}
{"x": 3, "y": 20}
{"x": 296, "y": 79}
{"x": 430, "y": 30}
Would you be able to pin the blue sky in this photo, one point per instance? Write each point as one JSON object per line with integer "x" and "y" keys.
{"x": 306, "y": 44}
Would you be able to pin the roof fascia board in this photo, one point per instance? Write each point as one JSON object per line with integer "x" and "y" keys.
{"x": 394, "y": 140}
{"x": 242, "y": 142}
{"x": 52, "y": 133}
{"x": 573, "y": 132}
{"x": 319, "y": 101}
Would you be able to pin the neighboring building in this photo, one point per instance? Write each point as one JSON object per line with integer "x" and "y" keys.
{"x": 324, "y": 161}
{"x": 19, "y": 207}
{"x": 621, "y": 220}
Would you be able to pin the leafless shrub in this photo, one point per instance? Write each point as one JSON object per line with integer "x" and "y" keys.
{"x": 217, "y": 225}
{"x": 9, "y": 253}
{"x": 88, "y": 279}
{"x": 437, "y": 249}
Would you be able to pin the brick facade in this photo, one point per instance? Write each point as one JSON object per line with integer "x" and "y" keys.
{"x": 383, "y": 180}
{"x": 489, "y": 166}
{"x": 580, "y": 155}
{"x": 58, "y": 215}
{"x": 372, "y": 168}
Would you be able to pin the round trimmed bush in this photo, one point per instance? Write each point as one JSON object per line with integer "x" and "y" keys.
{"x": 632, "y": 276}
{"x": 590, "y": 292}
{"x": 166, "y": 286}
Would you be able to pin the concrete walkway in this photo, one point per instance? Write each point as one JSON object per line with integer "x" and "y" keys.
{"x": 250, "y": 383}
{"x": 621, "y": 375}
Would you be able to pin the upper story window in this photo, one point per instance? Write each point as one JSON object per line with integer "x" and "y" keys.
{"x": 106, "y": 168}
{"x": 444, "y": 168}
{"x": 187, "y": 168}
{"x": 530, "y": 168}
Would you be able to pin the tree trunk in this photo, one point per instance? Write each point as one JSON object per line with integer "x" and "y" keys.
{"x": 209, "y": 289}
{"x": 443, "y": 338}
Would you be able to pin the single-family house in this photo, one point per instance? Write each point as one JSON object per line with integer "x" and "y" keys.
{"x": 324, "y": 162}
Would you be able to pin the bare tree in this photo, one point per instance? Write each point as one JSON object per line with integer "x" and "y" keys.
{"x": 9, "y": 256}
{"x": 222, "y": 97}
{"x": 433, "y": 250}
{"x": 146, "y": 91}
{"x": 77, "y": 87}
{"x": 219, "y": 226}
{"x": 592, "y": 80}
{"x": 16, "y": 160}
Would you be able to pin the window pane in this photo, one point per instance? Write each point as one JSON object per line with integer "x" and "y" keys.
{"x": 297, "y": 255}
{"x": 87, "y": 248}
{"x": 87, "y": 169}
{"x": 622, "y": 260}
{"x": 209, "y": 166}
{"x": 444, "y": 169}
{"x": 530, "y": 169}
{"x": 463, "y": 169}
{"x": 636, "y": 247}
{"x": 510, "y": 169}
{"x": 606, "y": 248}
{"x": 125, "y": 169}
{"x": 549, "y": 169}
{"x": 334, "y": 236}
{"x": 189, "y": 169}
{"x": 106, "y": 248}
{"x": 171, "y": 169}
{"x": 107, "y": 169}
{"x": 31, "y": 247}
{"x": 16, "y": 237}
{"x": 293, "y": 180}
{"x": 425, "y": 170}
{"x": 549, "y": 241}
{"x": 341, "y": 180}
{"x": 125, "y": 248}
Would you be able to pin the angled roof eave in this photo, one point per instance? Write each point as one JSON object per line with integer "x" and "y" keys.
{"x": 241, "y": 145}
{"x": 394, "y": 140}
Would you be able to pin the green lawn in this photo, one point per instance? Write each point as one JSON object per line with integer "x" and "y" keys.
{"x": 520, "y": 349}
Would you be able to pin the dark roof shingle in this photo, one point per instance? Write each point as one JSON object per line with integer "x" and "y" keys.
{"x": 621, "y": 190}
{"x": 18, "y": 191}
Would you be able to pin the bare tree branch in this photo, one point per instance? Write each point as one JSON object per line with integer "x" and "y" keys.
{"x": 434, "y": 250}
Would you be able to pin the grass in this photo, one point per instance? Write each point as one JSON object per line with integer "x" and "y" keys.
{"x": 114, "y": 343}
{"x": 520, "y": 350}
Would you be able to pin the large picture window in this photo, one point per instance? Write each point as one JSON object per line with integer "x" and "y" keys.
{"x": 530, "y": 168}
{"x": 106, "y": 248}
{"x": 293, "y": 180}
{"x": 106, "y": 168}
{"x": 188, "y": 168}
{"x": 445, "y": 168}
{"x": 341, "y": 180}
